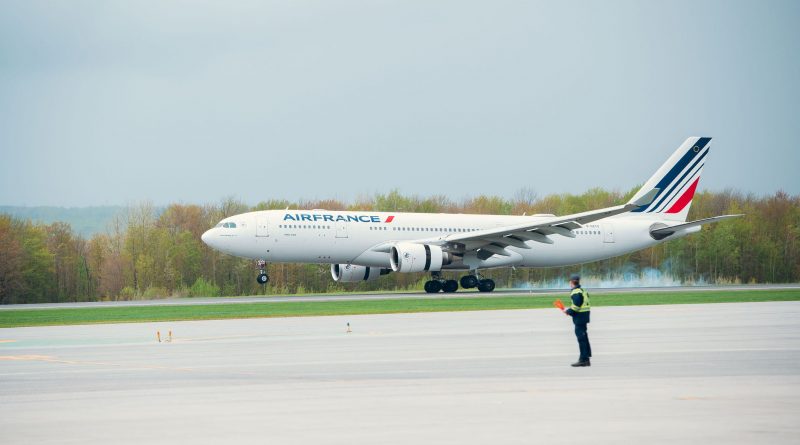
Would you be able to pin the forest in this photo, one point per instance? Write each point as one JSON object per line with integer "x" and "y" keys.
{"x": 148, "y": 252}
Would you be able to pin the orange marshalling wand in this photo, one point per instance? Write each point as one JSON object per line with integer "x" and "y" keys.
{"x": 558, "y": 304}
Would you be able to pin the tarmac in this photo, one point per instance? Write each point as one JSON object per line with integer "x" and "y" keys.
{"x": 472, "y": 293}
{"x": 720, "y": 373}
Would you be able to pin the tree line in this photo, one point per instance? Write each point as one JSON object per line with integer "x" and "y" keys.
{"x": 148, "y": 252}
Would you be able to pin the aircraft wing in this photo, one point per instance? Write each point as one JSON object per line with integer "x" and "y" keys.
{"x": 493, "y": 241}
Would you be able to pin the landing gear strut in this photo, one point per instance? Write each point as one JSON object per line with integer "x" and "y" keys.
{"x": 262, "y": 277}
{"x": 437, "y": 284}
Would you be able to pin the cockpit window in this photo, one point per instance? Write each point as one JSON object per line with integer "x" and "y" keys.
{"x": 229, "y": 225}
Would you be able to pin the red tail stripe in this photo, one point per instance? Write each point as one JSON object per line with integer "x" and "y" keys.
{"x": 685, "y": 199}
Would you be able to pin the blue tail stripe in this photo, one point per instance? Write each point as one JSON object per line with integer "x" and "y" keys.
{"x": 676, "y": 170}
{"x": 679, "y": 181}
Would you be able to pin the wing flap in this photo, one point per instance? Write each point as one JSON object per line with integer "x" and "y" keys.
{"x": 534, "y": 236}
{"x": 508, "y": 241}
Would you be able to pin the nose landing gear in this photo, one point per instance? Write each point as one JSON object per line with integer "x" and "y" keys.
{"x": 262, "y": 277}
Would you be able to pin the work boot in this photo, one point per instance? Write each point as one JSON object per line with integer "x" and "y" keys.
{"x": 581, "y": 363}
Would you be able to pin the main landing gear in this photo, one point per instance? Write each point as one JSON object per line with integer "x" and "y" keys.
{"x": 262, "y": 277}
{"x": 437, "y": 284}
{"x": 446, "y": 286}
{"x": 472, "y": 280}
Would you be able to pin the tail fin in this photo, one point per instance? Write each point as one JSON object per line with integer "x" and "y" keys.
{"x": 676, "y": 182}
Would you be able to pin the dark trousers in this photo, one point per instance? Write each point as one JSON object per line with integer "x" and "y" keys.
{"x": 583, "y": 341}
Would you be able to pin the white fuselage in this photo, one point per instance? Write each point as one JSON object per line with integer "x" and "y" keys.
{"x": 321, "y": 236}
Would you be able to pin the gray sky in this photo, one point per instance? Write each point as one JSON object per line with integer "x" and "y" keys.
{"x": 108, "y": 102}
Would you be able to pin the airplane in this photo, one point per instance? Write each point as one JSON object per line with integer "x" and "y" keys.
{"x": 363, "y": 246}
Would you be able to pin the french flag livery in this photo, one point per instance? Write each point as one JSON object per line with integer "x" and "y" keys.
{"x": 676, "y": 181}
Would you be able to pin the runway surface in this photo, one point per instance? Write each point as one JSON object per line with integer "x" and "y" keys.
{"x": 388, "y": 296}
{"x": 722, "y": 373}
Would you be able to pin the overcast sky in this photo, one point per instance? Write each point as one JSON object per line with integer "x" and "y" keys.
{"x": 109, "y": 102}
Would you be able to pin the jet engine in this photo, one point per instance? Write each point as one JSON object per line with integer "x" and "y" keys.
{"x": 350, "y": 273}
{"x": 412, "y": 257}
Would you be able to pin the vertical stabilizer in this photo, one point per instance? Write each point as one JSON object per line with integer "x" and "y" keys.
{"x": 676, "y": 182}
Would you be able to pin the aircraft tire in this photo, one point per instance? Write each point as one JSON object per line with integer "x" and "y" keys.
{"x": 433, "y": 286}
{"x": 450, "y": 286}
{"x": 486, "y": 285}
{"x": 469, "y": 281}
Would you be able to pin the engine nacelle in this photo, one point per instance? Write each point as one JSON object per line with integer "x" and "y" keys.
{"x": 350, "y": 273}
{"x": 412, "y": 257}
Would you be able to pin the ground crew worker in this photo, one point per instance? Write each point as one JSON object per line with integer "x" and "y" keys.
{"x": 580, "y": 312}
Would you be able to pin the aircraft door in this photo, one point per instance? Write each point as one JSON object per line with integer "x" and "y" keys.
{"x": 341, "y": 229}
{"x": 608, "y": 233}
{"x": 262, "y": 226}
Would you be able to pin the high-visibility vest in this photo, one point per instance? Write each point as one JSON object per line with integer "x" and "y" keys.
{"x": 586, "y": 306}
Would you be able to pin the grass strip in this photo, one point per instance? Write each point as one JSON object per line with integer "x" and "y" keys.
{"x": 140, "y": 314}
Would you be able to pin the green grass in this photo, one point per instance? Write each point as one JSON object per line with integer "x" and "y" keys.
{"x": 138, "y": 314}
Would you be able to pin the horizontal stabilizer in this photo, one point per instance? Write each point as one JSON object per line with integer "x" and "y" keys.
{"x": 664, "y": 232}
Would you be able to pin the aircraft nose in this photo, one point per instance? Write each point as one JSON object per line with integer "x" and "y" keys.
{"x": 206, "y": 237}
